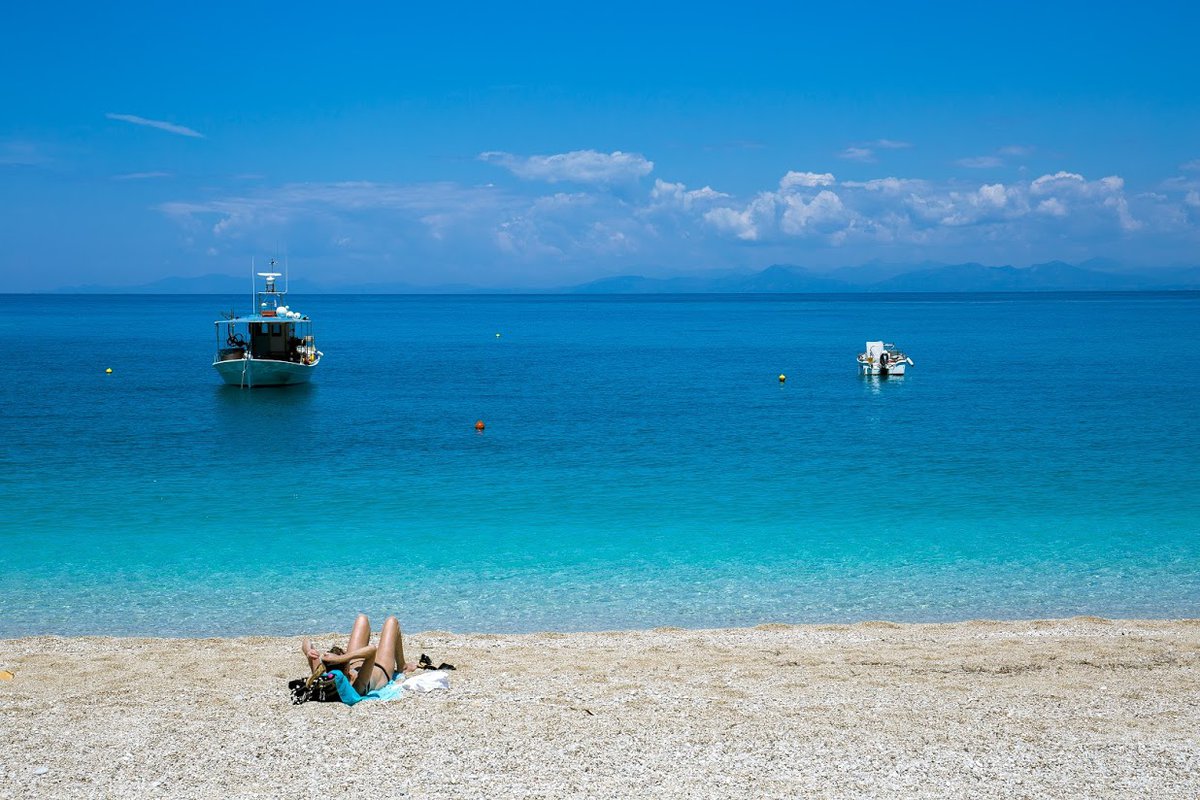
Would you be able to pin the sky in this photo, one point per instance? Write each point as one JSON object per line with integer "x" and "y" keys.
{"x": 544, "y": 145}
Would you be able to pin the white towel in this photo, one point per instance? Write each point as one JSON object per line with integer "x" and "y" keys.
{"x": 427, "y": 681}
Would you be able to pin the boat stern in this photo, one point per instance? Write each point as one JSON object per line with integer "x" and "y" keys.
{"x": 251, "y": 372}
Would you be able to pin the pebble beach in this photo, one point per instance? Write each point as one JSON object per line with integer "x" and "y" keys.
{"x": 1084, "y": 707}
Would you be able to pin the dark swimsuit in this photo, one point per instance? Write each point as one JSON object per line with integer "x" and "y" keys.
{"x": 382, "y": 669}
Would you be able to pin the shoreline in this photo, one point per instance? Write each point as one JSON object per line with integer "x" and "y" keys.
{"x": 1046, "y": 708}
{"x": 468, "y": 634}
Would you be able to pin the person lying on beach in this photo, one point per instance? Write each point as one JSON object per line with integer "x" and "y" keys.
{"x": 367, "y": 667}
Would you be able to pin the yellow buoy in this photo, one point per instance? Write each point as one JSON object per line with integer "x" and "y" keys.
{"x": 108, "y": 371}
{"x": 782, "y": 378}
{"x": 497, "y": 336}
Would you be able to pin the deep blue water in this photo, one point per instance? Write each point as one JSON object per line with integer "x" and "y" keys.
{"x": 641, "y": 465}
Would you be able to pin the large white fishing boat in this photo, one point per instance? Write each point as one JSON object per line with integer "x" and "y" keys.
{"x": 271, "y": 346}
{"x": 882, "y": 359}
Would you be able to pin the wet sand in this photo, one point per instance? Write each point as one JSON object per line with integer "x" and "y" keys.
{"x": 1068, "y": 708}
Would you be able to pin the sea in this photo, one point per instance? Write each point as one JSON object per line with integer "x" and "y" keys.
{"x": 641, "y": 464}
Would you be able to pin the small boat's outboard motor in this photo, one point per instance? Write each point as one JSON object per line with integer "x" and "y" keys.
{"x": 883, "y": 363}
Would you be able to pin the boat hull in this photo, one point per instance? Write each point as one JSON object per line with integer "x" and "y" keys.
{"x": 896, "y": 369}
{"x": 254, "y": 372}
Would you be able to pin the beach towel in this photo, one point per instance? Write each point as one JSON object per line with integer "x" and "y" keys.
{"x": 425, "y": 682}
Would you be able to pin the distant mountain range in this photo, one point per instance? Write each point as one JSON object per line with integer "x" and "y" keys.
{"x": 1053, "y": 276}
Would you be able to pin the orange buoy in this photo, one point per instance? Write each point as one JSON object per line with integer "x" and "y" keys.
{"x": 479, "y": 425}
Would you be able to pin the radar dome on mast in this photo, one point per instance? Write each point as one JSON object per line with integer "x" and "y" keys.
{"x": 270, "y": 277}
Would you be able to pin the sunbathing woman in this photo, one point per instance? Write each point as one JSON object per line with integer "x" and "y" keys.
{"x": 367, "y": 667}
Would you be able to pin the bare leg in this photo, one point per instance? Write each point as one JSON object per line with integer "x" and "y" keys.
{"x": 366, "y": 671}
{"x": 359, "y": 672}
{"x": 401, "y": 664}
{"x": 390, "y": 654}
{"x": 360, "y": 634}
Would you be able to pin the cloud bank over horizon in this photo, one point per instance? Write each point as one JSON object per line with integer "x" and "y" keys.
{"x": 579, "y": 166}
{"x": 588, "y": 213}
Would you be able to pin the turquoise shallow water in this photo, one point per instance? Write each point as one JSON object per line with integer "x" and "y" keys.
{"x": 641, "y": 464}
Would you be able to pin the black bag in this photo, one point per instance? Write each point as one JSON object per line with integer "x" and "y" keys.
{"x": 424, "y": 662}
{"x": 323, "y": 689}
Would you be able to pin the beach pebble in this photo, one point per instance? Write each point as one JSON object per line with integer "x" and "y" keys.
{"x": 857, "y": 711}
{"x": 41, "y": 770}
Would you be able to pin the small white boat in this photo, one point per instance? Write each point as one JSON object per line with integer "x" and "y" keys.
{"x": 272, "y": 346}
{"x": 882, "y": 359}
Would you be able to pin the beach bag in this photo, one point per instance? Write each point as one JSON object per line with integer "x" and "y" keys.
{"x": 318, "y": 688}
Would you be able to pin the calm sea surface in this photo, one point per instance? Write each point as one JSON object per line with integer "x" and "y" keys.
{"x": 641, "y": 466}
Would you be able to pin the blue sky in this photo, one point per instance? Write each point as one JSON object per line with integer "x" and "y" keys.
{"x": 550, "y": 144}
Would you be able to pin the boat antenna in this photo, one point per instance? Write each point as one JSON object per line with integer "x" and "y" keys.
{"x": 252, "y": 284}
{"x": 286, "y": 282}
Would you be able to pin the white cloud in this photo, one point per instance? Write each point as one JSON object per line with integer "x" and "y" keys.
{"x": 1052, "y": 206}
{"x": 141, "y": 176}
{"x": 169, "y": 127}
{"x": 823, "y": 213}
{"x": 1015, "y": 150}
{"x": 895, "y": 210}
{"x": 1191, "y": 166}
{"x": 749, "y": 223}
{"x": 549, "y": 233}
{"x": 794, "y": 180}
{"x": 993, "y": 195}
{"x": 990, "y": 203}
{"x": 314, "y": 204}
{"x": 578, "y": 166}
{"x": 1120, "y": 205}
{"x": 863, "y": 154}
{"x": 1047, "y": 183}
{"x": 888, "y": 185}
{"x": 678, "y": 194}
{"x": 980, "y": 162}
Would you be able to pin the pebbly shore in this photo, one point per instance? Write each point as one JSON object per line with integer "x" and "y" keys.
{"x": 1084, "y": 707}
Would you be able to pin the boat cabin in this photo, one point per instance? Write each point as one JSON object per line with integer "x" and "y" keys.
{"x": 275, "y": 340}
{"x": 273, "y": 333}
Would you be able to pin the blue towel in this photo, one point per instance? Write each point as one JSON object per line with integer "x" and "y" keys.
{"x": 350, "y": 695}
